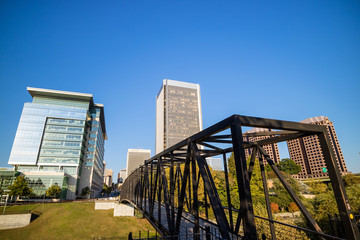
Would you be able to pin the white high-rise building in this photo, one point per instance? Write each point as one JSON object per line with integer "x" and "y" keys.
{"x": 136, "y": 158}
{"x": 178, "y": 113}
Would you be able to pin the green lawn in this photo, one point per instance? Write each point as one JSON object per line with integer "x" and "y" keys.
{"x": 75, "y": 220}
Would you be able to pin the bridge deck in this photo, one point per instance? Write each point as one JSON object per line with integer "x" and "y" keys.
{"x": 186, "y": 225}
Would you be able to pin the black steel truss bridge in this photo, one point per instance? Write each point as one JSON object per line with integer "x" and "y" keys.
{"x": 166, "y": 188}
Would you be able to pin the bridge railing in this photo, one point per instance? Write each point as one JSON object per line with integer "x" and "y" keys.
{"x": 176, "y": 189}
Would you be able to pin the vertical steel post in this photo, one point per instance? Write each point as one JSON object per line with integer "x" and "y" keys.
{"x": 252, "y": 162}
{"x": 183, "y": 190}
{"x": 246, "y": 208}
{"x": 151, "y": 205}
{"x": 212, "y": 192}
{"x": 346, "y": 215}
{"x": 166, "y": 198}
{"x": 141, "y": 187}
{"x": 189, "y": 195}
{"x": 206, "y": 204}
{"x": 146, "y": 183}
{"x": 172, "y": 187}
{"x": 228, "y": 192}
{"x": 195, "y": 205}
{"x": 159, "y": 190}
{"x": 267, "y": 199}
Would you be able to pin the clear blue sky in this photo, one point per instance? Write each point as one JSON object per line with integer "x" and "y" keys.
{"x": 286, "y": 60}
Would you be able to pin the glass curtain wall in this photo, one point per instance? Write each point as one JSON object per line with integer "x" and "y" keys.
{"x": 95, "y": 149}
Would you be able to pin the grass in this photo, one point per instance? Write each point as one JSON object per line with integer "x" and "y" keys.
{"x": 74, "y": 220}
{"x": 21, "y": 209}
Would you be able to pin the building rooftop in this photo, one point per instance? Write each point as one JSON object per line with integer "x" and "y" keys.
{"x": 138, "y": 150}
{"x": 314, "y": 119}
{"x": 178, "y": 84}
{"x": 71, "y": 96}
{"x": 256, "y": 130}
{"x": 60, "y": 94}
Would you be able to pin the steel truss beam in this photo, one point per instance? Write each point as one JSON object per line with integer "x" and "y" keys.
{"x": 166, "y": 187}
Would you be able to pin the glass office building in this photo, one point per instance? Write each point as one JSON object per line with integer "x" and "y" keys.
{"x": 60, "y": 140}
{"x": 7, "y": 178}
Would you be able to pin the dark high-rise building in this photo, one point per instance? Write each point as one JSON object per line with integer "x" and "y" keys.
{"x": 178, "y": 113}
{"x": 306, "y": 151}
{"x": 271, "y": 149}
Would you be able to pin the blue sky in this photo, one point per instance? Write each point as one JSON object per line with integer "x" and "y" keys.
{"x": 286, "y": 60}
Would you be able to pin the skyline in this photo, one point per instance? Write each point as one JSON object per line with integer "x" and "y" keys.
{"x": 289, "y": 61}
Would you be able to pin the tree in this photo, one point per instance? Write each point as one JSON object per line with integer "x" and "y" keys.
{"x": 20, "y": 188}
{"x": 85, "y": 191}
{"x": 318, "y": 187}
{"x": 350, "y": 179}
{"x": 293, "y": 207}
{"x": 1, "y": 191}
{"x": 256, "y": 186}
{"x": 53, "y": 191}
{"x": 274, "y": 207}
{"x": 324, "y": 203}
{"x": 106, "y": 189}
{"x": 289, "y": 166}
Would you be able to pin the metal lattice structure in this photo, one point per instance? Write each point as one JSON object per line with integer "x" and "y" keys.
{"x": 166, "y": 187}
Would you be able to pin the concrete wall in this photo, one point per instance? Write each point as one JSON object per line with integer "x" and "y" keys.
{"x": 121, "y": 210}
{"x": 71, "y": 191}
{"x": 14, "y": 221}
{"x": 104, "y": 205}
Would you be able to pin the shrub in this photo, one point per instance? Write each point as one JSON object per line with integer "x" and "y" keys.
{"x": 274, "y": 207}
{"x": 293, "y": 207}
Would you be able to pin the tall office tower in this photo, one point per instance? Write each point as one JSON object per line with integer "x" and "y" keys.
{"x": 178, "y": 113}
{"x": 271, "y": 149}
{"x": 60, "y": 141}
{"x": 119, "y": 180}
{"x": 135, "y": 158}
{"x": 108, "y": 177}
{"x": 306, "y": 151}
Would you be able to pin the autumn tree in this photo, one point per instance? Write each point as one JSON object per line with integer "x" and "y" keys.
{"x": 293, "y": 207}
{"x": 274, "y": 207}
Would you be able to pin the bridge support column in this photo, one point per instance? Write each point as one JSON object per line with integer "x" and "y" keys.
{"x": 246, "y": 212}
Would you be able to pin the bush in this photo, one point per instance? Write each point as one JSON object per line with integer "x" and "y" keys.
{"x": 293, "y": 207}
{"x": 274, "y": 207}
{"x": 53, "y": 191}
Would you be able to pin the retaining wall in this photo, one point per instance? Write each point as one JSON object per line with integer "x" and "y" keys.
{"x": 14, "y": 221}
{"x": 104, "y": 205}
{"x": 122, "y": 210}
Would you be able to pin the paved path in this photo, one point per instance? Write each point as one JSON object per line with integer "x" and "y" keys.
{"x": 186, "y": 224}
